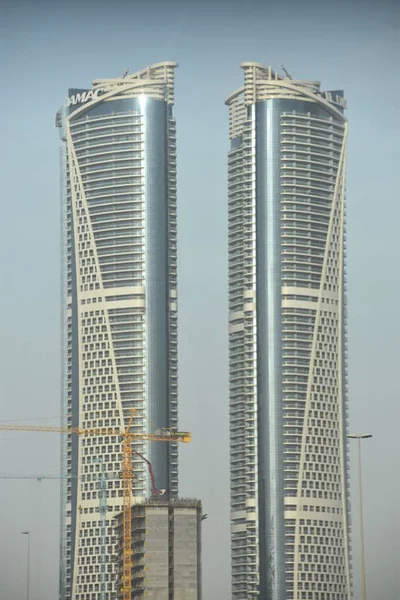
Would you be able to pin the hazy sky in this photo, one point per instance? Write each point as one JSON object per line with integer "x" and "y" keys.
{"x": 47, "y": 47}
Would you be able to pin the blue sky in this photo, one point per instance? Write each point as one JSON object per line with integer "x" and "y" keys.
{"x": 48, "y": 47}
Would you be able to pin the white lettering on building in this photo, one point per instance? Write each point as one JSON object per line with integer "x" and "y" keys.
{"x": 83, "y": 97}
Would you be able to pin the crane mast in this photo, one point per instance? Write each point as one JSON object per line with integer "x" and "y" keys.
{"x": 103, "y": 524}
{"x": 127, "y": 475}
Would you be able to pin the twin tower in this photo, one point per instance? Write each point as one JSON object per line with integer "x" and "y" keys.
{"x": 287, "y": 323}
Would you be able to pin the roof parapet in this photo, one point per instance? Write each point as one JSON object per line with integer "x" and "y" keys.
{"x": 263, "y": 83}
{"x": 152, "y": 80}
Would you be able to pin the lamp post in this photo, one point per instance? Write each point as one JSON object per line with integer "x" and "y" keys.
{"x": 359, "y": 437}
{"x": 28, "y": 566}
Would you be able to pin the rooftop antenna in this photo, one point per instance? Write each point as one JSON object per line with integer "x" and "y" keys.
{"x": 286, "y": 73}
{"x": 125, "y": 73}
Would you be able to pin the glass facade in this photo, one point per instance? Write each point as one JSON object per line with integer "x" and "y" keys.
{"x": 287, "y": 339}
{"x": 119, "y": 306}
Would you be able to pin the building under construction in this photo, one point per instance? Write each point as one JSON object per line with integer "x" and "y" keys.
{"x": 166, "y": 549}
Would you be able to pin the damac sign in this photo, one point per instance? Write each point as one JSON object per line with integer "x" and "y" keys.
{"x": 82, "y": 97}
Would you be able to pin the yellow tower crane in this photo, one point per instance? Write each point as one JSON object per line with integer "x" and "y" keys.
{"x": 164, "y": 435}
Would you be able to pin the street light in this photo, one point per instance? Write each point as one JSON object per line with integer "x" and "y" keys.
{"x": 28, "y": 566}
{"x": 359, "y": 437}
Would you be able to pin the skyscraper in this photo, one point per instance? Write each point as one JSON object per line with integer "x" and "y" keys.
{"x": 287, "y": 340}
{"x": 118, "y": 160}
